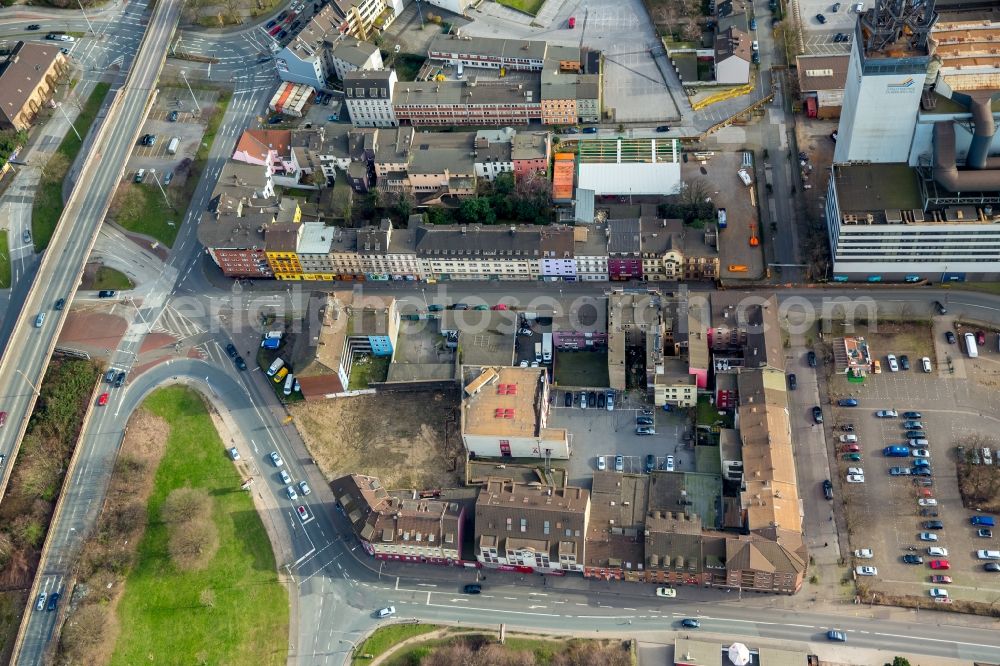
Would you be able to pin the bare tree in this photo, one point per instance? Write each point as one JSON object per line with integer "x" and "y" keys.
{"x": 83, "y": 631}
{"x": 183, "y": 504}
{"x": 55, "y": 169}
{"x": 694, "y": 191}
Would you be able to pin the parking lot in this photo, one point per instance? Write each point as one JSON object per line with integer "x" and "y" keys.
{"x": 817, "y": 37}
{"x": 885, "y": 513}
{"x": 188, "y": 128}
{"x": 634, "y": 90}
{"x": 598, "y": 432}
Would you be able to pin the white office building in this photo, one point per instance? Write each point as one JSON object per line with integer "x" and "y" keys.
{"x": 368, "y": 95}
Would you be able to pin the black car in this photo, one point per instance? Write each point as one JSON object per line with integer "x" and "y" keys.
{"x": 472, "y": 588}
{"x": 904, "y": 362}
{"x": 928, "y": 513}
{"x": 53, "y": 601}
{"x": 282, "y": 34}
{"x": 282, "y": 16}
{"x": 109, "y": 376}
{"x": 120, "y": 379}
{"x": 690, "y": 623}
{"x": 949, "y": 337}
{"x": 650, "y": 463}
{"x": 993, "y": 567}
{"x": 592, "y": 399}
{"x": 811, "y": 359}
{"x": 663, "y": 128}
{"x": 231, "y": 350}
{"x": 817, "y": 414}
{"x": 932, "y": 525}
{"x": 912, "y": 415}
{"x": 272, "y": 23}
{"x": 295, "y": 26}
{"x": 644, "y": 420}
{"x": 601, "y": 400}
{"x": 913, "y": 559}
{"x": 847, "y": 427}
{"x": 792, "y": 382}
{"x": 33, "y": 26}
{"x": 173, "y": 116}
{"x": 941, "y": 309}
{"x": 240, "y": 363}
{"x": 569, "y": 399}
{"x": 821, "y": 18}
{"x": 828, "y": 489}
{"x": 60, "y": 304}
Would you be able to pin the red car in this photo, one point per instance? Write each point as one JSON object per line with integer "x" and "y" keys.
{"x": 3, "y": 419}
{"x": 103, "y": 400}
{"x": 980, "y": 337}
{"x": 940, "y": 564}
{"x": 850, "y": 448}
{"x": 941, "y": 579}
{"x": 275, "y": 30}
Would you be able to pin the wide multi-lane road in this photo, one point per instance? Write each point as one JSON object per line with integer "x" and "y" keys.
{"x": 27, "y": 352}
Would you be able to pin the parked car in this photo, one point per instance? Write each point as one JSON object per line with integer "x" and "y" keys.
{"x": 980, "y": 338}
{"x": 644, "y": 420}
{"x": 866, "y": 571}
{"x": 668, "y": 464}
{"x": 939, "y": 564}
{"x": 993, "y": 567}
{"x": 811, "y": 359}
{"x": 925, "y": 364}
{"x": 589, "y": 130}
{"x": 792, "y": 382}
{"x": 932, "y": 525}
{"x": 938, "y": 593}
{"x": 601, "y": 463}
{"x": 941, "y": 579}
{"x": 927, "y": 536}
{"x": 937, "y": 551}
{"x": 663, "y": 128}
{"x": 949, "y": 337}
{"x": 912, "y": 415}
{"x": 610, "y": 400}
{"x": 984, "y": 533}
{"x": 645, "y": 430}
{"x": 848, "y": 402}
{"x": 886, "y": 414}
{"x": 853, "y": 457}
{"x": 817, "y": 414}
{"x": 850, "y": 448}
{"x": 893, "y": 364}
{"x": 899, "y": 471}
{"x": 855, "y": 478}
{"x": 927, "y": 501}
{"x": 568, "y": 399}
{"x": 173, "y": 116}
{"x": 828, "y": 489}
{"x": 941, "y": 309}
{"x": 600, "y": 400}
{"x": 912, "y": 559}
{"x": 921, "y": 453}
{"x": 821, "y": 18}
{"x": 472, "y": 588}
{"x": 904, "y": 362}
{"x": 864, "y": 554}
{"x": 650, "y": 463}
{"x": 619, "y": 464}
{"x": 913, "y": 425}
{"x": 592, "y": 399}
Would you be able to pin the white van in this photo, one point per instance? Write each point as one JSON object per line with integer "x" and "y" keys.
{"x": 289, "y": 382}
{"x": 277, "y": 365}
{"x": 461, "y": 71}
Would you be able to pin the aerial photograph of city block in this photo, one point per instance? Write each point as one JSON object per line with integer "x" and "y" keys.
{"x": 500, "y": 332}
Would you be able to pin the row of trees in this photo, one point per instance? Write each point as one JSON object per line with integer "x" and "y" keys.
{"x": 525, "y": 201}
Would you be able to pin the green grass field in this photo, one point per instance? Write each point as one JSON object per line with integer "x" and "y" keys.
{"x": 4, "y": 261}
{"x": 582, "y": 368}
{"x": 385, "y": 637}
{"x": 109, "y": 278}
{"x": 153, "y": 216}
{"x": 162, "y": 615}
{"x": 526, "y": 6}
{"x": 48, "y": 203}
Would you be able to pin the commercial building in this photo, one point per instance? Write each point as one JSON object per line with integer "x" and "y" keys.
{"x": 529, "y": 527}
{"x": 511, "y": 54}
{"x": 369, "y": 95}
{"x": 467, "y": 102}
{"x": 271, "y": 148}
{"x": 563, "y": 177}
{"x": 821, "y": 83}
{"x": 305, "y": 59}
{"x": 630, "y": 166}
{"x": 393, "y": 527}
{"x": 505, "y": 414}
{"x": 28, "y": 77}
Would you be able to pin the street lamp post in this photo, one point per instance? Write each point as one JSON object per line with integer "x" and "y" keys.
{"x": 34, "y": 388}
{"x": 195, "y": 99}
{"x": 72, "y": 126}
{"x": 160, "y": 185}
{"x": 93, "y": 32}
{"x": 354, "y": 646}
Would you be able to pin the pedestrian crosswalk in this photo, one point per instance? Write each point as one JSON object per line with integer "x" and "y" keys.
{"x": 177, "y": 325}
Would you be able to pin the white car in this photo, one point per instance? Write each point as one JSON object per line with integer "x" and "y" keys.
{"x": 388, "y": 611}
{"x": 856, "y": 470}
{"x": 922, "y": 453}
{"x": 866, "y": 571}
{"x": 938, "y": 593}
{"x": 670, "y": 464}
{"x": 304, "y": 488}
{"x": 666, "y": 592}
{"x": 927, "y": 502}
{"x": 602, "y": 464}
{"x": 925, "y": 363}
{"x": 292, "y": 495}
{"x": 937, "y": 551}
{"x": 276, "y": 459}
{"x": 893, "y": 364}
{"x": 927, "y": 536}
{"x": 855, "y": 478}
{"x": 887, "y": 413}
{"x": 849, "y": 439}
{"x": 864, "y": 554}
{"x": 285, "y": 478}
{"x": 234, "y": 453}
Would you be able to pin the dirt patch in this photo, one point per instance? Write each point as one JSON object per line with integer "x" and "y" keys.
{"x": 978, "y": 483}
{"x": 95, "y": 330}
{"x": 892, "y": 337}
{"x": 107, "y": 556}
{"x": 408, "y": 440}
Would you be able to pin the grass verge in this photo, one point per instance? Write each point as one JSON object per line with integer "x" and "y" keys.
{"x": 48, "y": 205}
{"x": 472, "y": 647}
{"x": 234, "y": 611}
{"x": 386, "y": 637}
{"x": 141, "y": 209}
{"x": 530, "y": 7}
{"x": 36, "y": 480}
{"x": 369, "y": 369}
{"x": 4, "y": 261}
{"x": 108, "y": 278}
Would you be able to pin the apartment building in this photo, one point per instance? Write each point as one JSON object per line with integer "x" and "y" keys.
{"x": 590, "y": 251}
{"x": 314, "y": 251}
{"x": 671, "y": 251}
{"x": 366, "y": 19}
{"x": 493, "y": 152}
{"x": 340, "y": 326}
{"x": 526, "y": 527}
{"x": 305, "y": 59}
{"x": 281, "y": 243}
{"x": 625, "y": 249}
{"x": 369, "y": 96}
{"x": 352, "y": 55}
{"x": 494, "y": 53}
{"x": 28, "y": 77}
{"x": 397, "y": 527}
{"x": 530, "y": 153}
{"x": 467, "y": 102}
{"x": 442, "y": 164}
{"x": 505, "y": 414}
{"x": 268, "y": 147}
{"x": 388, "y": 253}
{"x": 673, "y": 383}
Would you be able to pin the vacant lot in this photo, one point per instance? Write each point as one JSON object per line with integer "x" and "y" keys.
{"x": 676, "y": 20}
{"x": 587, "y": 369}
{"x": 474, "y": 648}
{"x": 527, "y": 6}
{"x": 232, "y": 611}
{"x": 409, "y": 440}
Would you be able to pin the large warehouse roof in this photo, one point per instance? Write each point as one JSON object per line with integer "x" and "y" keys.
{"x": 622, "y": 179}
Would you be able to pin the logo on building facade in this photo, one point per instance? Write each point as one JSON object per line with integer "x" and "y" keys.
{"x": 902, "y": 87}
